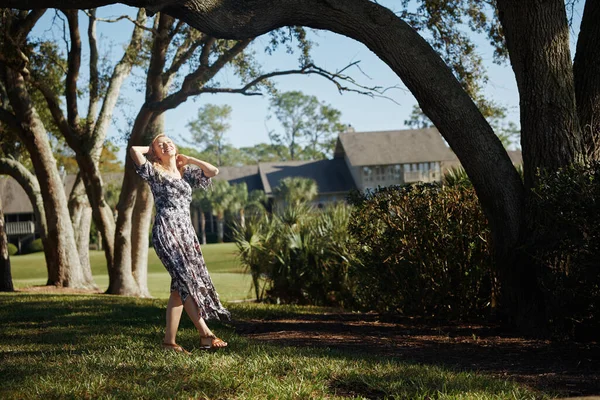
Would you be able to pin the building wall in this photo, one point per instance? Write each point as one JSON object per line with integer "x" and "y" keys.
{"x": 372, "y": 176}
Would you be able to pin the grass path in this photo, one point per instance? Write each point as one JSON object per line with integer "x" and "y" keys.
{"x": 107, "y": 347}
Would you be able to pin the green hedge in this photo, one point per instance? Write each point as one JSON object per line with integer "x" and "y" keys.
{"x": 34, "y": 246}
{"x": 12, "y": 249}
{"x": 424, "y": 250}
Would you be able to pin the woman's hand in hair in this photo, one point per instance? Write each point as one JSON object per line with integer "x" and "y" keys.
{"x": 182, "y": 160}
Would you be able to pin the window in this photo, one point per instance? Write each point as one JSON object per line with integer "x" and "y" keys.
{"x": 397, "y": 172}
{"x": 367, "y": 174}
{"x": 379, "y": 173}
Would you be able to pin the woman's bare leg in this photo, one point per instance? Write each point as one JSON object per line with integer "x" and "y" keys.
{"x": 174, "y": 311}
{"x": 194, "y": 313}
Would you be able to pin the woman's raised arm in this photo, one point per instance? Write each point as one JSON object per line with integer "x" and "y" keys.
{"x": 137, "y": 154}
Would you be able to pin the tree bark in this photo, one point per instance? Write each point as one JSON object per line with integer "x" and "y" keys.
{"x": 220, "y": 218}
{"x": 30, "y": 185}
{"x": 586, "y": 69}
{"x": 203, "y": 226}
{"x": 60, "y": 232}
{"x": 142, "y": 213}
{"x": 81, "y": 218}
{"x": 122, "y": 274}
{"x": 537, "y": 37}
{"x": 6, "y": 283}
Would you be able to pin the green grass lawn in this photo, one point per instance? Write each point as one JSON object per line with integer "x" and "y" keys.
{"x": 223, "y": 265}
{"x": 107, "y": 347}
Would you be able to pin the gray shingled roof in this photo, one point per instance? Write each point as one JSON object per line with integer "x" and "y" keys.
{"x": 14, "y": 198}
{"x": 393, "y": 147}
{"x": 332, "y": 176}
{"x": 247, "y": 173}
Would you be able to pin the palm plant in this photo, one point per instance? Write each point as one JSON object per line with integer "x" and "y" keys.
{"x": 296, "y": 190}
{"x": 254, "y": 241}
{"x": 457, "y": 176}
{"x": 242, "y": 200}
{"x": 201, "y": 201}
{"x": 220, "y": 197}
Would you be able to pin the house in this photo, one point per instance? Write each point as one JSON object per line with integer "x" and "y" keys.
{"x": 361, "y": 160}
{"x": 387, "y": 158}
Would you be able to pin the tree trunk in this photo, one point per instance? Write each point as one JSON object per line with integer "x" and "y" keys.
{"x": 6, "y": 283}
{"x": 202, "y": 227}
{"x": 30, "y": 185}
{"x": 81, "y": 218}
{"x": 194, "y": 215}
{"x": 142, "y": 213}
{"x": 242, "y": 217}
{"x": 60, "y": 232}
{"x": 537, "y": 37}
{"x": 122, "y": 280}
{"x": 586, "y": 69}
{"x": 220, "y": 224}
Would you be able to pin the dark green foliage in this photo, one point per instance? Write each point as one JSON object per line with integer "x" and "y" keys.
{"x": 424, "y": 250}
{"x": 569, "y": 251}
{"x": 12, "y": 249}
{"x": 34, "y": 246}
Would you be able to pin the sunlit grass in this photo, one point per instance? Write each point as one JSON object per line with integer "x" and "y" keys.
{"x": 223, "y": 265}
{"x": 81, "y": 346}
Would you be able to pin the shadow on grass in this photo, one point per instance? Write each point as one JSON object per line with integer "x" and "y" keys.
{"x": 568, "y": 368}
{"x": 346, "y": 354}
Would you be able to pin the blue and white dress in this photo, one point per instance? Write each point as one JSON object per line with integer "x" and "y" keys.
{"x": 175, "y": 240}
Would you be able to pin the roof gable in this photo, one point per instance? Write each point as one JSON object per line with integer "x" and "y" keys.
{"x": 394, "y": 147}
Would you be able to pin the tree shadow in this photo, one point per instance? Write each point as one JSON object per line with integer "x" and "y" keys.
{"x": 569, "y": 368}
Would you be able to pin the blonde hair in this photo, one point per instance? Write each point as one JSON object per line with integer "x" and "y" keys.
{"x": 153, "y": 158}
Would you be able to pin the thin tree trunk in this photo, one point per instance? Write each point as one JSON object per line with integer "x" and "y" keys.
{"x": 142, "y": 213}
{"x": 203, "y": 226}
{"x": 81, "y": 219}
{"x": 30, "y": 185}
{"x": 220, "y": 227}
{"x": 60, "y": 232}
{"x": 586, "y": 69}
{"x": 121, "y": 280}
{"x": 6, "y": 283}
{"x": 194, "y": 215}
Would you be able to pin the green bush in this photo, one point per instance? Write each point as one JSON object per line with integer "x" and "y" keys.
{"x": 12, "y": 249}
{"x": 34, "y": 246}
{"x": 424, "y": 250}
{"x": 569, "y": 248}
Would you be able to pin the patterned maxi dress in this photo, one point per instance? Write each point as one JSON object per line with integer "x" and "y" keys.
{"x": 175, "y": 240}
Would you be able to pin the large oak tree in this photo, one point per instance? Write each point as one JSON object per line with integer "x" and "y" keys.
{"x": 559, "y": 100}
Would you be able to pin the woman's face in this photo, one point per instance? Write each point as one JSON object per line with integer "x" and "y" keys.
{"x": 164, "y": 148}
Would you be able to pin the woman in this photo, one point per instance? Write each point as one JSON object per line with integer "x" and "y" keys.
{"x": 171, "y": 179}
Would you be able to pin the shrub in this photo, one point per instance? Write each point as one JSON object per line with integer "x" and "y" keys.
{"x": 424, "y": 250}
{"x": 34, "y": 246}
{"x": 302, "y": 255}
{"x": 569, "y": 250}
{"x": 12, "y": 249}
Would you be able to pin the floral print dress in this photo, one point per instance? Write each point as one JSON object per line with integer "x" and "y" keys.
{"x": 175, "y": 240}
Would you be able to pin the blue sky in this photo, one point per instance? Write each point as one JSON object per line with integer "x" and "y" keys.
{"x": 249, "y": 117}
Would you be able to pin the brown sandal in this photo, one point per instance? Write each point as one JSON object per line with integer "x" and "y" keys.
{"x": 175, "y": 347}
{"x": 211, "y": 342}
